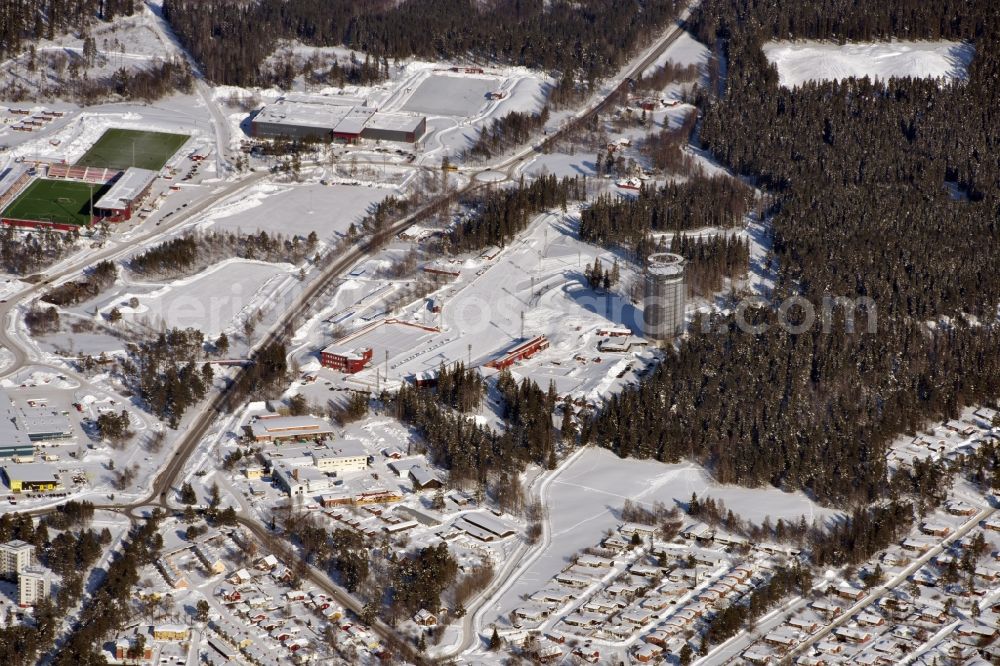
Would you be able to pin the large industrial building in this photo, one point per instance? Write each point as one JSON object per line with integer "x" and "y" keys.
{"x": 21, "y": 429}
{"x": 126, "y": 195}
{"x": 46, "y": 425}
{"x": 275, "y": 428}
{"x": 335, "y": 119}
{"x": 30, "y": 477}
{"x": 665, "y": 296}
{"x": 14, "y": 438}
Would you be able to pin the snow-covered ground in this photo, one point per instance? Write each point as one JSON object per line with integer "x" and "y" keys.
{"x": 210, "y": 301}
{"x": 798, "y": 62}
{"x": 586, "y": 497}
{"x": 291, "y": 209}
{"x": 539, "y": 276}
{"x": 70, "y": 137}
{"x": 686, "y": 50}
{"x": 444, "y": 95}
{"x": 129, "y": 43}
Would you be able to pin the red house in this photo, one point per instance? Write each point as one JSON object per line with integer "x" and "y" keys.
{"x": 523, "y": 351}
{"x": 128, "y": 649}
{"x": 345, "y": 359}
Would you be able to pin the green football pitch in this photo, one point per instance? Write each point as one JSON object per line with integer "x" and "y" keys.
{"x": 122, "y": 148}
{"x": 60, "y": 201}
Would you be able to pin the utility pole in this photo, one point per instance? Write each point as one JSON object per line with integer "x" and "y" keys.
{"x": 522, "y": 324}
{"x": 470, "y": 356}
{"x": 386, "y": 365}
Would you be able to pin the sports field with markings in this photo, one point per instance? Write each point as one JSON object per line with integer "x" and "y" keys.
{"x": 122, "y": 148}
{"x": 58, "y": 201}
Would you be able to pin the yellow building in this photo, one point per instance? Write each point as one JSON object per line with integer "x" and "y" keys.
{"x": 253, "y": 472}
{"x": 171, "y": 632}
{"x": 31, "y": 477}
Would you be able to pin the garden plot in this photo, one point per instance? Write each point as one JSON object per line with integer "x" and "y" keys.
{"x": 329, "y": 210}
{"x": 585, "y": 498}
{"x": 444, "y": 95}
{"x": 798, "y": 62}
{"x": 211, "y": 301}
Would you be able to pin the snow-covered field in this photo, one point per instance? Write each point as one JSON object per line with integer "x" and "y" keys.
{"x": 586, "y": 498}
{"x": 444, "y": 95}
{"x": 210, "y": 301}
{"x": 291, "y": 209}
{"x": 686, "y": 50}
{"x": 563, "y": 165}
{"x": 798, "y": 62}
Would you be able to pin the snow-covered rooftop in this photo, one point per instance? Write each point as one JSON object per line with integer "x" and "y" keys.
{"x": 126, "y": 189}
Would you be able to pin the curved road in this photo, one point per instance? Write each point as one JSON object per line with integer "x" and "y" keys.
{"x": 76, "y": 265}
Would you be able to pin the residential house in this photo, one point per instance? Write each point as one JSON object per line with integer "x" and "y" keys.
{"x": 869, "y": 619}
{"x": 803, "y": 624}
{"x": 780, "y": 639}
{"x": 128, "y": 649}
{"x": 647, "y": 652}
{"x": 171, "y": 632}
{"x": 933, "y": 529}
{"x": 209, "y": 557}
{"x": 853, "y": 635}
{"x": 425, "y": 618}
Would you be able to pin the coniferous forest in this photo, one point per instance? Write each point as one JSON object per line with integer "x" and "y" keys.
{"x": 697, "y": 203}
{"x": 27, "y": 20}
{"x": 586, "y": 39}
{"x": 888, "y": 191}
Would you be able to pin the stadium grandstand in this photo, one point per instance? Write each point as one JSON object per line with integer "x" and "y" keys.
{"x": 13, "y": 183}
{"x": 85, "y": 174}
{"x": 108, "y": 183}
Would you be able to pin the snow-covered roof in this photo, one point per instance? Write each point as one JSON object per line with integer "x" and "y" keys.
{"x": 321, "y": 114}
{"x": 12, "y": 434}
{"x": 289, "y": 426}
{"x": 31, "y": 473}
{"x": 347, "y": 352}
{"x": 396, "y": 122}
{"x": 45, "y": 422}
{"x": 489, "y": 523}
{"x": 10, "y": 177}
{"x": 126, "y": 189}
{"x": 422, "y": 476}
{"x": 344, "y": 449}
